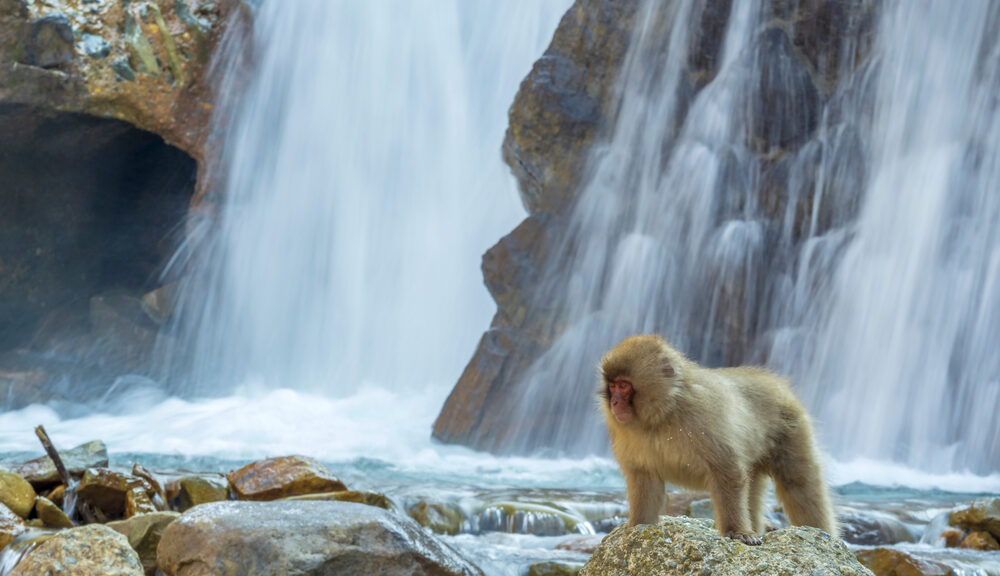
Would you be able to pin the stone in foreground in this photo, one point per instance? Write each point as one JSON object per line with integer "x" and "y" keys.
{"x": 678, "y": 546}
{"x": 85, "y": 551}
{"x": 302, "y": 539}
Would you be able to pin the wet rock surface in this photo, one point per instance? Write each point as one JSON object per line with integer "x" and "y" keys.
{"x": 282, "y": 477}
{"x": 11, "y": 526}
{"x": 84, "y": 551}
{"x": 16, "y": 493}
{"x": 889, "y": 562}
{"x": 691, "y": 546}
{"x": 302, "y": 538}
{"x": 42, "y": 473}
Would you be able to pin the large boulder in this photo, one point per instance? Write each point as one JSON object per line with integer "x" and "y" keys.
{"x": 680, "y": 546}
{"x": 85, "y": 551}
{"x": 300, "y": 539}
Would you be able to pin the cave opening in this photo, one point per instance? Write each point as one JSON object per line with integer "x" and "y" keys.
{"x": 89, "y": 208}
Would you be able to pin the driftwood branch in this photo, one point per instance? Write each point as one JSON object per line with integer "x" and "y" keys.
{"x": 54, "y": 455}
{"x": 67, "y": 480}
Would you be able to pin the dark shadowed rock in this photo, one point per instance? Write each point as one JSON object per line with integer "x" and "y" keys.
{"x": 109, "y": 490}
{"x": 560, "y": 107}
{"x": 144, "y": 533}
{"x": 282, "y": 477}
{"x": 679, "y": 546}
{"x": 302, "y": 539}
{"x": 872, "y": 528}
{"x": 85, "y": 551}
{"x": 50, "y": 41}
{"x": 788, "y": 102}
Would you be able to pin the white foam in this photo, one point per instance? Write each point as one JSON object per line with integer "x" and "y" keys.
{"x": 893, "y": 474}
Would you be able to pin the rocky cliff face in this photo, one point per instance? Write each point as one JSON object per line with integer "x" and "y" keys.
{"x": 106, "y": 123}
{"x": 801, "y": 59}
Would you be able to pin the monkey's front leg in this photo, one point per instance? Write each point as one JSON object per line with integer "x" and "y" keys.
{"x": 646, "y": 495}
{"x": 730, "y": 497}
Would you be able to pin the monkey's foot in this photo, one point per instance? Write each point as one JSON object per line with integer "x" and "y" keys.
{"x": 748, "y": 539}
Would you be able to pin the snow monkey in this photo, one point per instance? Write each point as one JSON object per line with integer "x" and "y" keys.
{"x": 724, "y": 430}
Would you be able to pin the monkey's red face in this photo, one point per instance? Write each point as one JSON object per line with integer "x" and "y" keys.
{"x": 620, "y": 396}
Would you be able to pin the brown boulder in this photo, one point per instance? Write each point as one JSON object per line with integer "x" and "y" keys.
{"x": 983, "y": 541}
{"x": 85, "y": 551}
{"x": 891, "y": 562}
{"x": 952, "y": 537}
{"x": 983, "y": 515}
{"x": 195, "y": 490}
{"x": 108, "y": 490}
{"x": 51, "y": 515}
{"x": 282, "y": 477}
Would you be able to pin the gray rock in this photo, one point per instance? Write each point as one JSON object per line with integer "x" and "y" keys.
{"x": 84, "y": 551}
{"x": 872, "y": 528}
{"x": 50, "y": 41}
{"x": 123, "y": 69}
{"x": 95, "y": 46}
{"x": 680, "y": 546}
{"x": 41, "y": 472}
{"x": 300, "y": 539}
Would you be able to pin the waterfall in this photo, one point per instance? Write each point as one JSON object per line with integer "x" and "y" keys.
{"x": 363, "y": 181}
{"x": 904, "y": 363}
{"x": 836, "y": 223}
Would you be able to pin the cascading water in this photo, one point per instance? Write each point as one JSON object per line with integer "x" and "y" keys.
{"x": 904, "y": 363}
{"x": 874, "y": 282}
{"x": 364, "y": 183}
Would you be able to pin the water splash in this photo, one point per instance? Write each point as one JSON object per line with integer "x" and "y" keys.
{"x": 363, "y": 183}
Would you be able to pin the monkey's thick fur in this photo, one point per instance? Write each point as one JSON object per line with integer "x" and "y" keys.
{"x": 724, "y": 430}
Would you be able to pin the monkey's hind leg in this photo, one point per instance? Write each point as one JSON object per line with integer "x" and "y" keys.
{"x": 758, "y": 484}
{"x": 801, "y": 487}
{"x": 729, "y": 488}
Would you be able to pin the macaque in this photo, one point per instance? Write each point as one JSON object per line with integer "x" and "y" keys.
{"x": 725, "y": 430}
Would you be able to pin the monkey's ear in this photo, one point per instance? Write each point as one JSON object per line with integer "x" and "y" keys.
{"x": 667, "y": 368}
